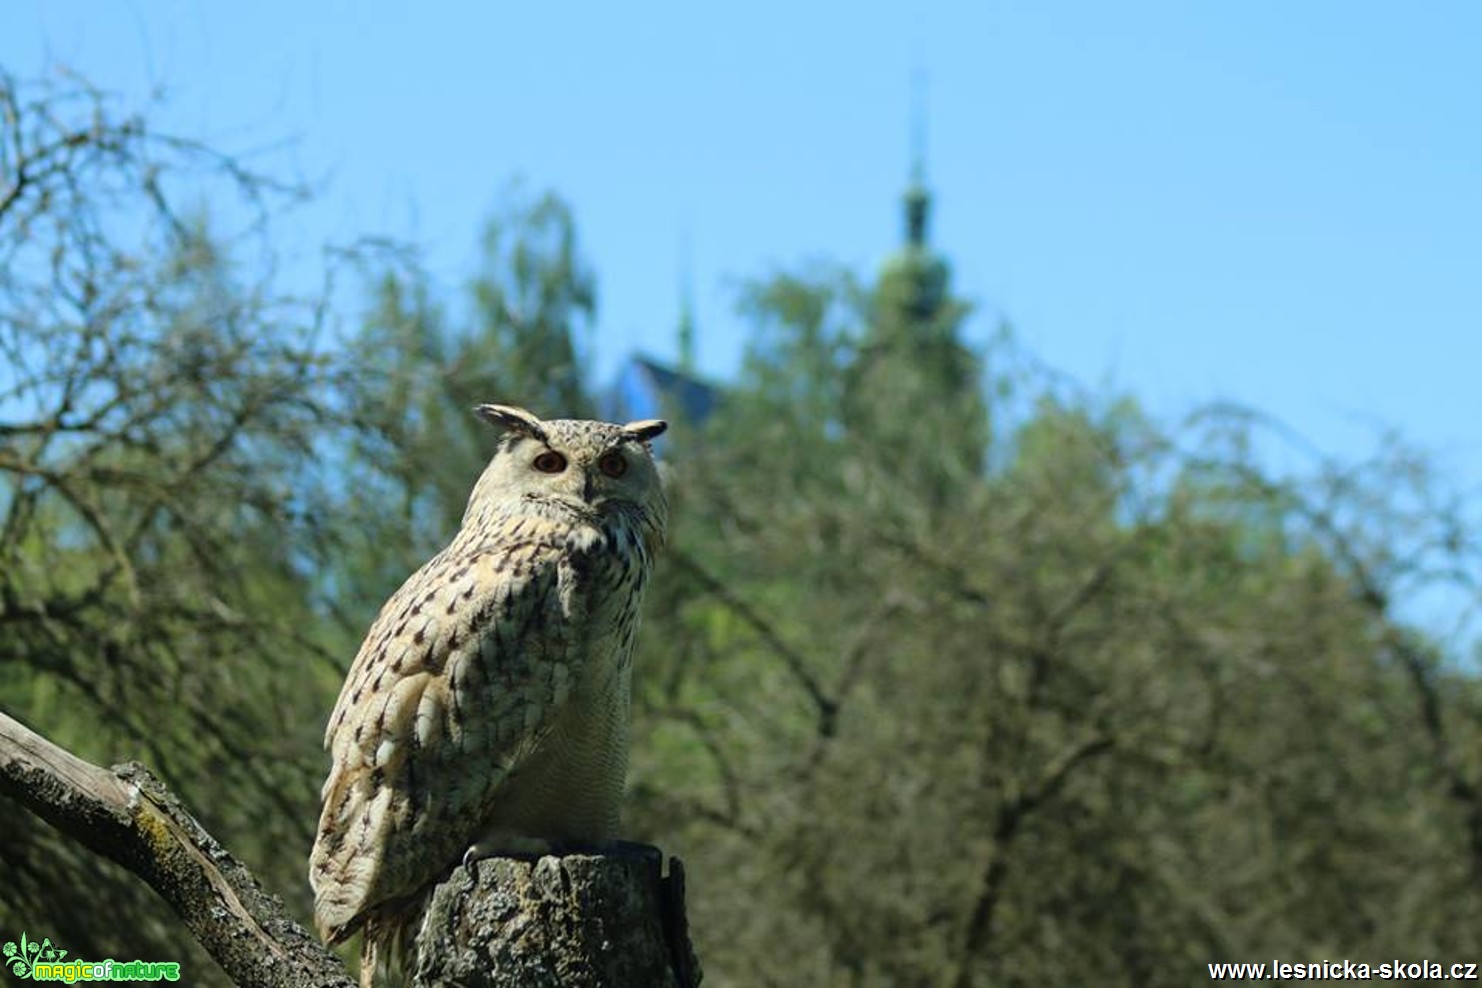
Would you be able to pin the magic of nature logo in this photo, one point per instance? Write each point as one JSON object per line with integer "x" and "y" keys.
{"x": 40, "y": 960}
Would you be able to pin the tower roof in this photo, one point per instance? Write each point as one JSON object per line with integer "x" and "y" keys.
{"x": 917, "y": 197}
{"x": 913, "y": 280}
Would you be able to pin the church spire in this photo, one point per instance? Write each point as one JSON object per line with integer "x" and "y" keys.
{"x": 911, "y": 363}
{"x": 917, "y": 198}
{"x": 913, "y": 286}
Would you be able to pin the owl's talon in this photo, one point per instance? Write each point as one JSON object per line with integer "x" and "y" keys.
{"x": 524, "y": 848}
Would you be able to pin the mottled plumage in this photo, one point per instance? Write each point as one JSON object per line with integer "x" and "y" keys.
{"x": 490, "y": 699}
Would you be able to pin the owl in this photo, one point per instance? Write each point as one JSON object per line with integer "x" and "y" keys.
{"x": 488, "y": 708}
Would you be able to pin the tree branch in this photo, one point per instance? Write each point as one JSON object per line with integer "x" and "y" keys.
{"x": 1011, "y": 817}
{"x": 826, "y": 706}
{"x": 130, "y": 817}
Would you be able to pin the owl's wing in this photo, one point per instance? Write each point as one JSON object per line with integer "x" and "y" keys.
{"x": 457, "y": 681}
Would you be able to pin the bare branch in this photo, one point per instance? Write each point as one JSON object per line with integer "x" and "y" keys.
{"x": 827, "y": 707}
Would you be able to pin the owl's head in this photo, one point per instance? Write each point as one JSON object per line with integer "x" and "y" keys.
{"x": 587, "y": 468}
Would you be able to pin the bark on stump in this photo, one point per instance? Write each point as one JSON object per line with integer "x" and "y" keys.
{"x": 575, "y": 921}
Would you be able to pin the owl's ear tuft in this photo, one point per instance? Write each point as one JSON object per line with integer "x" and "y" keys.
{"x": 644, "y": 430}
{"x": 512, "y": 419}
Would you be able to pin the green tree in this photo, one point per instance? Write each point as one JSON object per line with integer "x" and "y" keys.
{"x": 196, "y": 481}
{"x": 159, "y": 414}
{"x": 420, "y": 371}
{"x": 910, "y": 375}
{"x": 1119, "y": 706}
{"x": 535, "y": 299}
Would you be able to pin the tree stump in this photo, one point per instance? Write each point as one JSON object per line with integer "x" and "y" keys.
{"x": 574, "y": 921}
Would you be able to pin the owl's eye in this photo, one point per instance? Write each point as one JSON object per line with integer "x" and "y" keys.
{"x": 613, "y": 464}
{"x": 550, "y": 462}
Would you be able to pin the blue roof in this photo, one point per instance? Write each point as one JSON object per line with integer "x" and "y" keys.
{"x": 647, "y": 389}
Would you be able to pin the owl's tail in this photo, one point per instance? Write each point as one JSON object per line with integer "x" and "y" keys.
{"x": 388, "y": 942}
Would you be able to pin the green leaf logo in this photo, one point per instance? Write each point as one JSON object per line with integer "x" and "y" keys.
{"x": 21, "y": 958}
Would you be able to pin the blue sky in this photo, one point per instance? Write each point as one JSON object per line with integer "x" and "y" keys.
{"x": 1272, "y": 203}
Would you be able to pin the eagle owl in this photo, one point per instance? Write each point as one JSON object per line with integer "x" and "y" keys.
{"x": 488, "y": 706}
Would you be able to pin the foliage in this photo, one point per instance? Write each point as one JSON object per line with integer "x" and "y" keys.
{"x": 158, "y": 404}
{"x": 1121, "y": 706}
{"x": 418, "y": 373}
